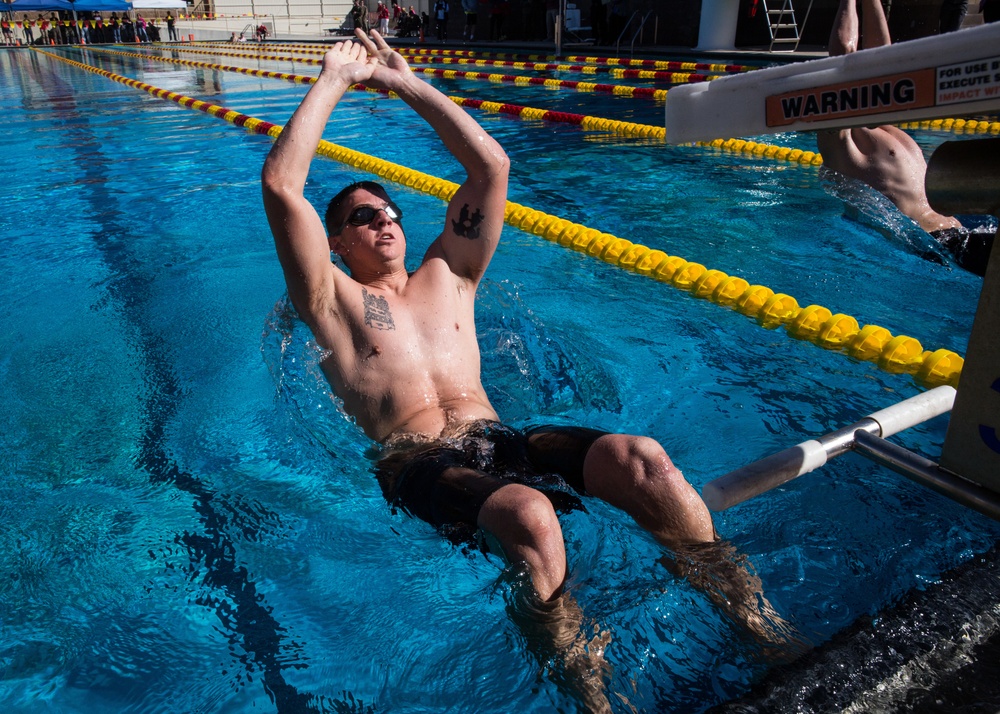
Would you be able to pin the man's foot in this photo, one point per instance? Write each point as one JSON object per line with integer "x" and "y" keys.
{"x": 731, "y": 583}
{"x": 573, "y": 660}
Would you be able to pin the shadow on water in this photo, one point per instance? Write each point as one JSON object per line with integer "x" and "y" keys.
{"x": 243, "y": 611}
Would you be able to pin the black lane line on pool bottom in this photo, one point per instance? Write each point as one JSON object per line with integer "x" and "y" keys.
{"x": 128, "y": 288}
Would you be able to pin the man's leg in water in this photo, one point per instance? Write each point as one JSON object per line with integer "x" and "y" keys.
{"x": 635, "y": 474}
{"x": 524, "y": 523}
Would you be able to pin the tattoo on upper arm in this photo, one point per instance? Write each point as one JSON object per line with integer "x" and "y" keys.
{"x": 466, "y": 225}
{"x": 377, "y": 313}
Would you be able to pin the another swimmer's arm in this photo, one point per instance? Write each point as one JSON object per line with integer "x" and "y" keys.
{"x": 299, "y": 234}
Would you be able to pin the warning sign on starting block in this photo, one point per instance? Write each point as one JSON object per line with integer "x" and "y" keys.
{"x": 934, "y": 77}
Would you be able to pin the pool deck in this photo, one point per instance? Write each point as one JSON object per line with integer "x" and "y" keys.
{"x": 937, "y": 650}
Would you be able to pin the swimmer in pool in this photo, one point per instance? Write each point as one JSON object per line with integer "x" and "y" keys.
{"x": 404, "y": 357}
{"x": 886, "y": 157}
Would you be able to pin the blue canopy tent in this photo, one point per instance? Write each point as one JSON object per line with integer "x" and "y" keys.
{"x": 78, "y": 5}
{"x": 73, "y": 6}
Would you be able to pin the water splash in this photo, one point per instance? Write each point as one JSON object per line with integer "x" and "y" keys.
{"x": 526, "y": 370}
{"x": 872, "y": 209}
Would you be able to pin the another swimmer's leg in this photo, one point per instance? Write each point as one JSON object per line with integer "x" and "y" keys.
{"x": 525, "y": 525}
{"x": 635, "y": 474}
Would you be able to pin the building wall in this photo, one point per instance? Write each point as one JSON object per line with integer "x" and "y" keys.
{"x": 669, "y": 22}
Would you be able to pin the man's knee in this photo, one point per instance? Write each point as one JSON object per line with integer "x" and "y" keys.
{"x": 521, "y": 513}
{"x": 635, "y": 474}
{"x": 525, "y": 524}
{"x": 635, "y": 462}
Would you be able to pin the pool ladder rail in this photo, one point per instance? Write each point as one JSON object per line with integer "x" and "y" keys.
{"x": 782, "y": 25}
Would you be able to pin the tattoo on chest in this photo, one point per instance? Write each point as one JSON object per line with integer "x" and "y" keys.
{"x": 466, "y": 225}
{"x": 377, "y": 313}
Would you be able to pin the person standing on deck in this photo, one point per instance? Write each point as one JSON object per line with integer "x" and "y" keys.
{"x": 953, "y": 13}
{"x": 886, "y": 157}
{"x": 471, "y": 10}
{"x": 383, "y": 18}
{"x": 27, "y": 24}
{"x": 171, "y": 30}
{"x": 441, "y": 19}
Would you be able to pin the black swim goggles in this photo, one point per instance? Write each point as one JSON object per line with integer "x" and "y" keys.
{"x": 364, "y": 215}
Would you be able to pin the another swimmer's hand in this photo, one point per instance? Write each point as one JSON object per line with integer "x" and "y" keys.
{"x": 350, "y": 61}
{"x": 392, "y": 70}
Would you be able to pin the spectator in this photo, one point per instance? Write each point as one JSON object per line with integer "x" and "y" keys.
{"x": 498, "y": 13}
{"x": 26, "y": 25}
{"x": 470, "y": 7}
{"x": 171, "y": 30}
{"x": 382, "y": 13}
{"x": 128, "y": 29}
{"x": 952, "y": 14}
{"x": 365, "y": 22}
{"x": 441, "y": 19}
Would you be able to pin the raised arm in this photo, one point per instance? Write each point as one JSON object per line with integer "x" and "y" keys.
{"x": 847, "y": 36}
{"x": 475, "y": 214}
{"x": 844, "y": 33}
{"x": 299, "y": 234}
{"x": 845, "y": 150}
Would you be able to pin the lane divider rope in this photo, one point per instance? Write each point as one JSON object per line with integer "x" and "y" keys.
{"x": 616, "y": 72}
{"x": 959, "y": 126}
{"x": 589, "y": 123}
{"x": 673, "y": 65}
{"x": 816, "y": 324}
{"x": 672, "y": 77}
{"x": 616, "y": 89}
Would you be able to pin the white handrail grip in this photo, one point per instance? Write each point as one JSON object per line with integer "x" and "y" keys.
{"x": 915, "y": 410}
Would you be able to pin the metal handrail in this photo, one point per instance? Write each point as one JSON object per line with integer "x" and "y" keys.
{"x": 635, "y": 34}
{"x": 618, "y": 42}
{"x": 638, "y": 32}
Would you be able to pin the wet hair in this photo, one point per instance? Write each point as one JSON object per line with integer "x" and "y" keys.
{"x": 332, "y": 218}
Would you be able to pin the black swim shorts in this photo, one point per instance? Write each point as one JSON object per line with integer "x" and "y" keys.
{"x": 971, "y": 249}
{"x": 446, "y": 482}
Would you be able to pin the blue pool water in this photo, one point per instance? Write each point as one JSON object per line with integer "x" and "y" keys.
{"x": 190, "y": 524}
